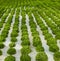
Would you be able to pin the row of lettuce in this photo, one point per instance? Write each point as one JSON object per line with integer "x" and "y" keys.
{"x": 51, "y": 42}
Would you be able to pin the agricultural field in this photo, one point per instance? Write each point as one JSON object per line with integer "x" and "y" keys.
{"x": 29, "y": 30}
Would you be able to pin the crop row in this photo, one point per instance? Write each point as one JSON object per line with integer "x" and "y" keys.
{"x": 37, "y": 41}
{"x": 5, "y": 31}
{"x": 25, "y": 40}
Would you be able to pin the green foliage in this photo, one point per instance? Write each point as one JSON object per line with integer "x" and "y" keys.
{"x": 12, "y": 44}
{"x": 57, "y": 56}
{"x": 25, "y": 50}
{"x": 53, "y": 48}
{"x": 11, "y": 51}
{"x": 10, "y": 58}
{"x": 1, "y": 45}
{"x": 25, "y": 58}
{"x": 48, "y": 10}
{"x": 25, "y": 42}
{"x": 36, "y": 41}
{"x": 0, "y": 52}
{"x": 39, "y": 48}
{"x": 13, "y": 39}
{"x": 41, "y": 56}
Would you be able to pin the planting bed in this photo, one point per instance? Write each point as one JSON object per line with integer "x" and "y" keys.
{"x": 29, "y": 30}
